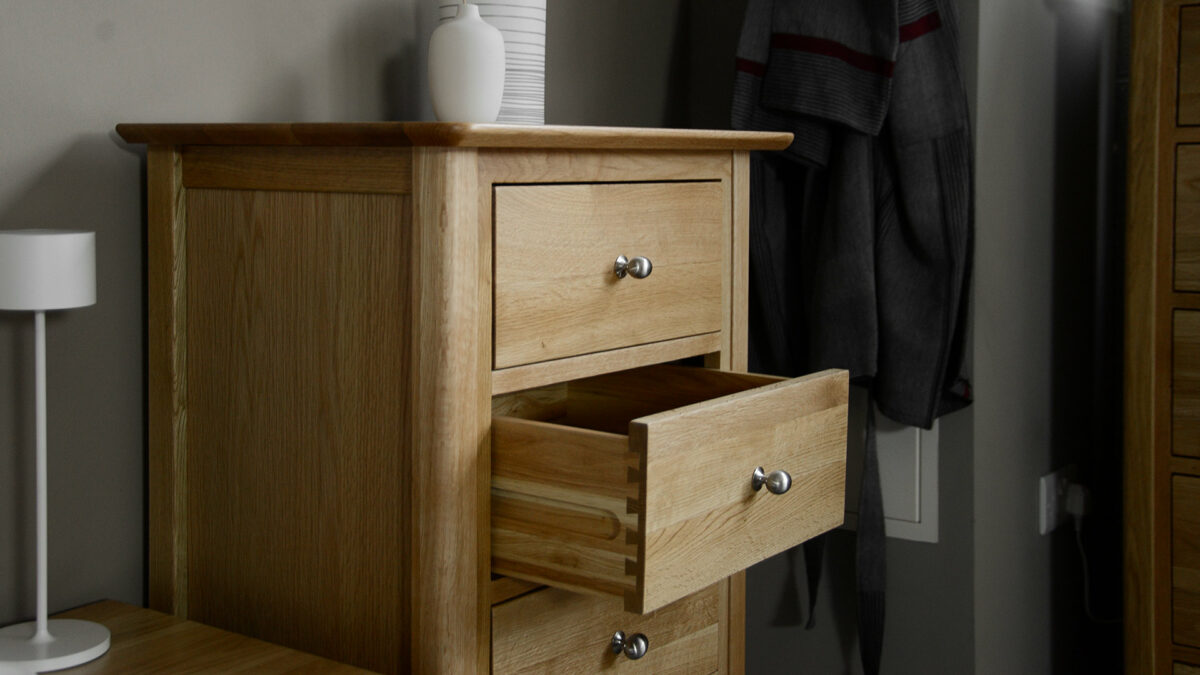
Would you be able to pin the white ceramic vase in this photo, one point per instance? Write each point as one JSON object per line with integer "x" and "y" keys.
{"x": 466, "y": 68}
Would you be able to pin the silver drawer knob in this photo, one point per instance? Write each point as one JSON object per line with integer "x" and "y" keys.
{"x": 777, "y": 482}
{"x": 634, "y": 646}
{"x": 638, "y": 268}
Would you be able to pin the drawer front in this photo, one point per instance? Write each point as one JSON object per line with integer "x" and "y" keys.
{"x": 1189, "y": 65}
{"x": 1187, "y": 218}
{"x": 1185, "y": 560}
{"x": 667, "y": 508}
{"x": 555, "y": 631}
{"x": 1185, "y": 388}
{"x": 556, "y": 294}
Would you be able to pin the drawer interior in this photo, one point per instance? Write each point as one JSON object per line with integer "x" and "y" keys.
{"x": 637, "y": 484}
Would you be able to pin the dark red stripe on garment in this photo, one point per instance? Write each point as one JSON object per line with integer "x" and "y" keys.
{"x": 911, "y": 31}
{"x": 753, "y": 67}
{"x": 837, "y": 50}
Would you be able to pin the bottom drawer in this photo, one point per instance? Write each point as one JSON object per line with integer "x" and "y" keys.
{"x": 556, "y": 631}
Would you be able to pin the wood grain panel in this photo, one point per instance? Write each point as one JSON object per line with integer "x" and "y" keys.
{"x": 386, "y": 170}
{"x": 451, "y": 409}
{"x": 145, "y": 641}
{"x": 297, "y": 371}
{"x": 1184, "y": 669}
{"x": 1187, "y": 218}
{"x": 740, "y": 205}
{"x": 167, "y": 380}
{"x": 702, "y": 521}
{"x": 537, "y": 374}
{"x": 559, "y": 497}
{"x": 1189, "y": 65}
{"x": 1185, "y": 560}
{"x": 592, "y": 166}
{"x": 1149, "y": 272}
{"x": 555, "y": 631}
{"x": 556, "y": 294}
{"x": 1185, "y": 397}
{"x": 451, "y": 134}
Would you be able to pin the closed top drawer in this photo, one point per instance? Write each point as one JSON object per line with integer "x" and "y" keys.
{"x": 556, "y": 293}
{"x": 641, "y": 486}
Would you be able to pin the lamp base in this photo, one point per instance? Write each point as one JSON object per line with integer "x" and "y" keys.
{"x": 71, "y": 643}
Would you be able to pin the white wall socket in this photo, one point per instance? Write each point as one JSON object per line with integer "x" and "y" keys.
{"x": 1052, "y": 498}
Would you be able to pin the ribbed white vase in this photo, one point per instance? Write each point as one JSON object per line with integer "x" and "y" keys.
{"x": 466, "y": 68}
{"x": 523, "y": 25}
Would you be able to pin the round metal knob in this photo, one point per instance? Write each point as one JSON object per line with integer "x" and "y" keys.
{"x": 638, "y": 268}
{"x": 777, "y": 482}
{"x": 634, "y": 646}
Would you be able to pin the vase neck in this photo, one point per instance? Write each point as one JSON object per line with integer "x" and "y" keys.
{"x": 467, "y": 10}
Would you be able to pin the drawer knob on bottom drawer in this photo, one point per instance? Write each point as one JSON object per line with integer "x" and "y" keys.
{"x": 777, "y": 482}
{"x": 634, "y": 646}
{"x": 638, "y": 268}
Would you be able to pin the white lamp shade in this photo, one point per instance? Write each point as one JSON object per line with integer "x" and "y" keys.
{"x": 47, "y": 269}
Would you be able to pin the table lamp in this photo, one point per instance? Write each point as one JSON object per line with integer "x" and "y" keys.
{"x": 40, "y": 271}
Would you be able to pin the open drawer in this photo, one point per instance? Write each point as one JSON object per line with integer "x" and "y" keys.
{"x": 639, "y": 484}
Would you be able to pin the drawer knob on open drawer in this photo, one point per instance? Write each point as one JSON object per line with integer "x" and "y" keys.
{"x": 638, "y": 268}
{"x": 777, "y": 482}
{"x": 634, "y": 646}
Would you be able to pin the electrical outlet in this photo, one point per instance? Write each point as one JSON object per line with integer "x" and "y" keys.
{"x": 1052, "y": 499}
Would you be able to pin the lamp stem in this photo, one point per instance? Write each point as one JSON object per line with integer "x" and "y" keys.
{"x": 39, "y": 332}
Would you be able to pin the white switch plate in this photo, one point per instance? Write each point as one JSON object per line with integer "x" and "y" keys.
{"x": 908, "y": 473}
{"x": 1052, "y": 499}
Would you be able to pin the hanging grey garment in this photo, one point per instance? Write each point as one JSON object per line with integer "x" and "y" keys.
{"x": 887, "y": 121}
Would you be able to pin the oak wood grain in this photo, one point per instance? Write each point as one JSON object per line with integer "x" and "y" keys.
{"x": 167, "y": 380}
{"x": 377, "y": 170}
{"x": 559, "y": 498}
{"x": 500, "y": 165}
{"x": 533, "y": 375}
{"x": 1185, "y": 560}
{"x": 701, "y": 520}
{"x": 1185, "y": 398}
{"x": 555, "y": 631}
{"x": 146, "y": 641}
{"x": 1148, "y": 277}
{"x": 450, "y": 597}
{"x": 555, "y": 291}
{"x": 451, "y": 134}
{"x": 559, "y": 486}
{"x": 297, "y": 374}
{"x": 1187, "y": 218}
{"x": 1189, "y": 65}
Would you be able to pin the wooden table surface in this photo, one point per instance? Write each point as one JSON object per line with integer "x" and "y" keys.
{"x": 146, "y": 641}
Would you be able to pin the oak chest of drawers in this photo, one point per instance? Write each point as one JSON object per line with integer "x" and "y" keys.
{"x": 404, "y": 375}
